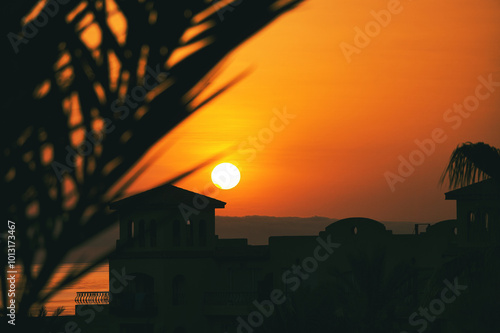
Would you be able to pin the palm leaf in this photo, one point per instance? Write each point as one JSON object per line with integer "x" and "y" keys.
{"x": 68, "y": 85}
{"x": 470, "y": 163}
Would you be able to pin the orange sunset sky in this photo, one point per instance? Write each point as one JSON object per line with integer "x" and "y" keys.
{"x": 352, "y": 119}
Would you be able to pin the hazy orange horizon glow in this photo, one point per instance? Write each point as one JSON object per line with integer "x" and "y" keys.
{"x": 351, "y": 121}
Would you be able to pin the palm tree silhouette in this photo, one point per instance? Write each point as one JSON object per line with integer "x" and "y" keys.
{"x": 370, "y": 295}
{"x": 373, "y": 293}
{"x": 92, "y": 86}
{"x": 472, "y": 162}
{"x": 477, "y": 267}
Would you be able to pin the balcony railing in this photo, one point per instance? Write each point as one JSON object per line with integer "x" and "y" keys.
{"x": 221, "y": 298}
{"x": 92, "y": 297}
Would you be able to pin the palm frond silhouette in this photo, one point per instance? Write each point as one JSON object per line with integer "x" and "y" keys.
{"x": 91, "y": 89}
{"x": 366, "y": 296}
{"x": 472, "y": 162}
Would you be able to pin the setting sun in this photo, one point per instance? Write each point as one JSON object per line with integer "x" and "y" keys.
{"x": 366, "y": 133}
{"x": 226, "y": 176}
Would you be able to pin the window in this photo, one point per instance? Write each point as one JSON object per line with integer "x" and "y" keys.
{"x": 176, "y": 233}
{"x": 152, "y": 233}
{"x": 143, "y": 283}
{"x": 178, "y": 286}
{"x": 203, "y": 233}
{"x": 138, "y": 295}
{"x": 142, "y": 233}
{"x": 130, "y": 231}
{"x": 189, "y": 227}
{"x": 472, "y": 217}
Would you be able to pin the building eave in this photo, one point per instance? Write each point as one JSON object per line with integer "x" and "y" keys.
{"x": 485, "y": 189}
{"x": 167, "y": 195}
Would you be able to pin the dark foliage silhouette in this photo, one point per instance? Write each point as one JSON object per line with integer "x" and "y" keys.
{"x": 86, "y": 96}
{"x": 369, "y": 296}
{"x": 472, "y": 162}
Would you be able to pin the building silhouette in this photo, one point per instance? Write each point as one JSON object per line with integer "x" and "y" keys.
{"x": 183, "y": 278}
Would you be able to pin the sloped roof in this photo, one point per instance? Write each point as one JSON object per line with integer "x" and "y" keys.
{"x": 485, "y": 189}
{"x": 167, "y": 195}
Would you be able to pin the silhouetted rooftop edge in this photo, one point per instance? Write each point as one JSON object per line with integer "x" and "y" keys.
{"x": 358, "y": 221}
{"x": 488, "y": 188}
{"x": 166, "y": 195}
